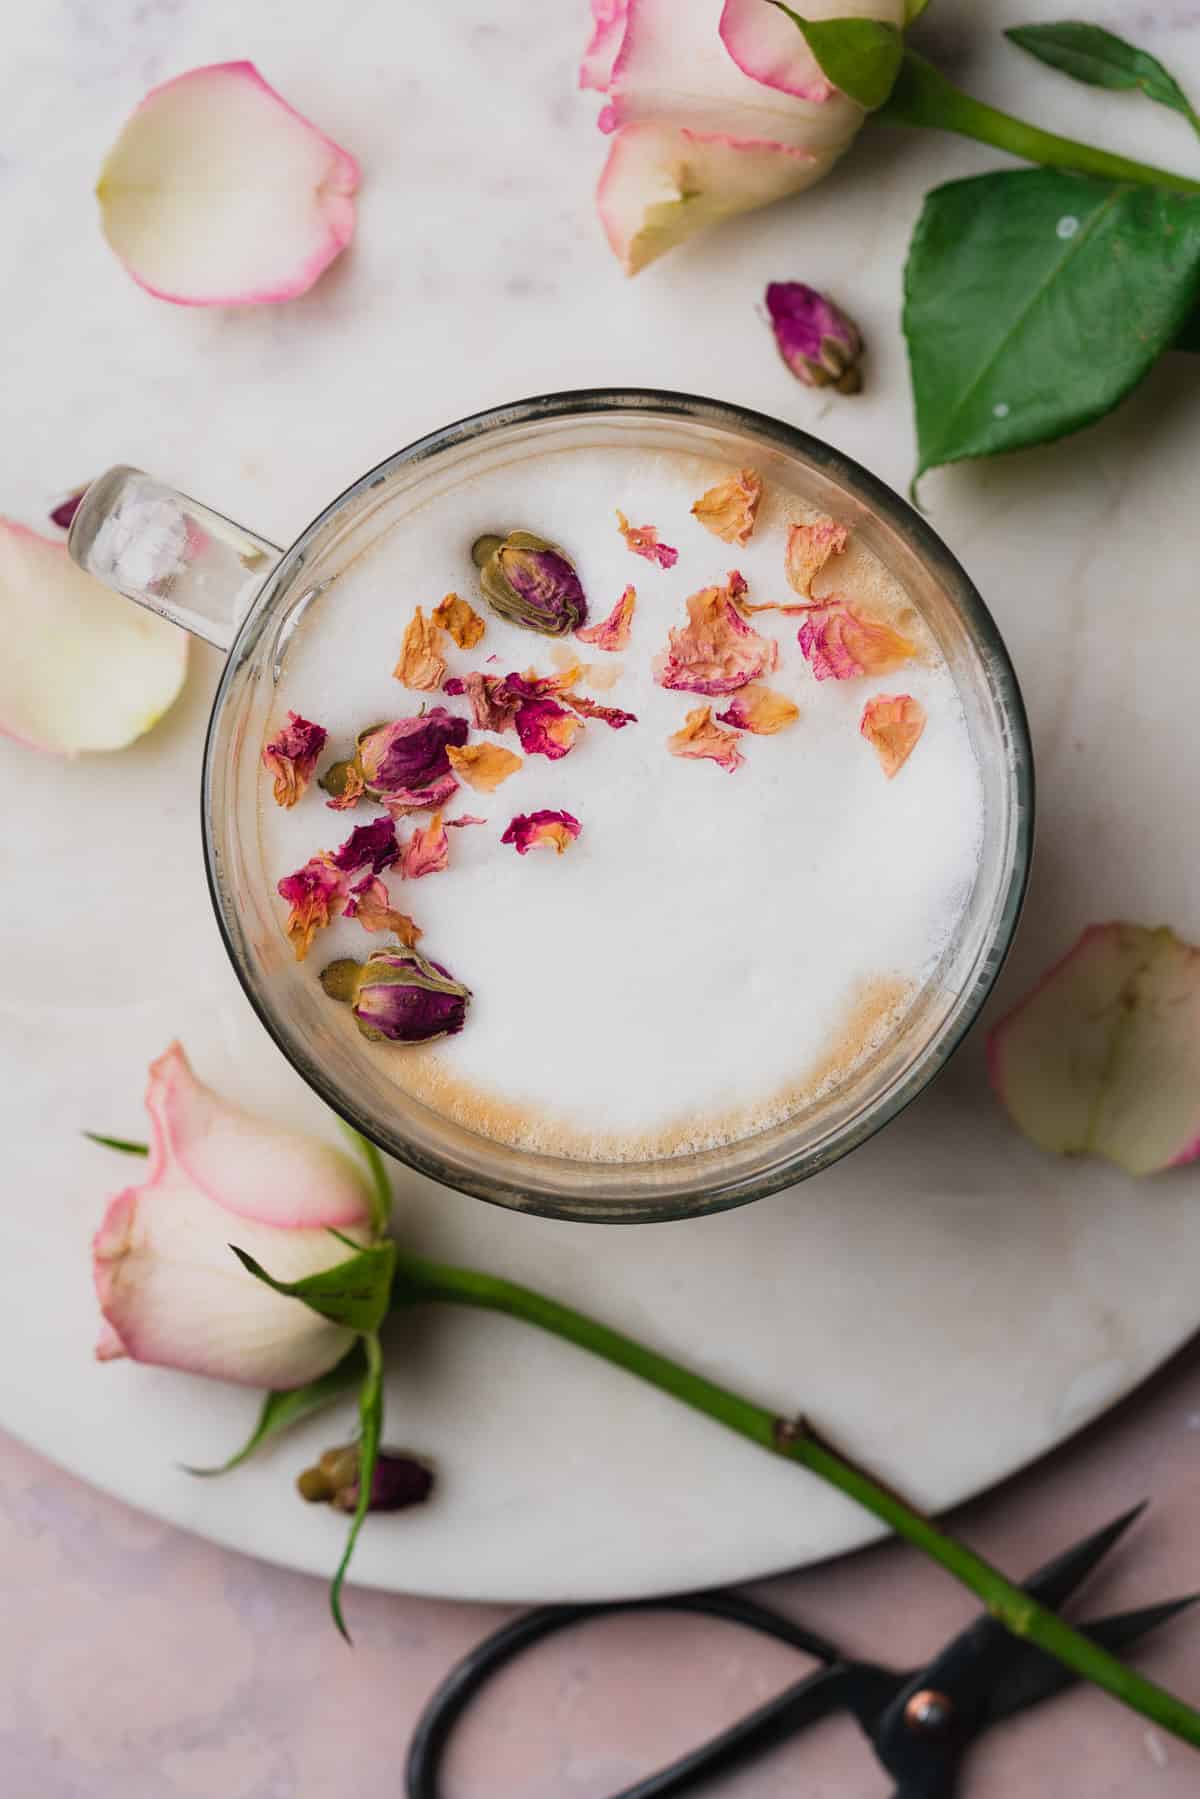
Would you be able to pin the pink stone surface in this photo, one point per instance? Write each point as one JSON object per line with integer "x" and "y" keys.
{"x": 142, "y": 1663}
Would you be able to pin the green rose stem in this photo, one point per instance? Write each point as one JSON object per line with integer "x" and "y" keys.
{"x": 417, "y": 1281}
{"x": 922, "y": 96}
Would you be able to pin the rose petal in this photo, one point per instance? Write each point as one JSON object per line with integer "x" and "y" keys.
{"x": 467, "y": 818}
{"x": 493, "y": 703}
{"x": 699, "y": 737}
{"x": 218, "y": 193}
{"x": 809, "y": 548}
{"x": 643, "y": 541}
{"x": 716, "y": 652}
{"x": 759, "y": 710}
{"x": 420, "y": 665}
{"x": 612, "y": 633}
{"x": 545, "y": 729}
{"x": 542, "y": 830}
{"x": 373, "y": 844}
{"x": 83, "y": 668}
{"x": 841, "y": 643}
{"x": 483, "y": 766}
{"x": 607, "y": 31}
{"x": 407, "y": 800}
{"x": 291, "y": 757}
{"x": 728, "y": 509}
{"x": 316, "y": 894}
{"x": 893, "y": 723}
{"x": 371, "y": 903}
{"x": 62, "y": 514}
{"x": 766, "y": 45}
{"x": 461, "y": 620}
{"x": 588, "y": 708}
{"x": 1103, "y": 1057}
{"x": 427, "y": 851}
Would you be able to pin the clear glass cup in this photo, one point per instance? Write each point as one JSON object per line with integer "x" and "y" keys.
{"x": 245, "y": 595}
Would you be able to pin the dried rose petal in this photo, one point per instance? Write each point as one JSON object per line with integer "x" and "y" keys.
{"x": 717, "y": 651}
{"x": 399, "y": 995}
{"x": 291, "y": 757}
{"x": 703, "y": 739}
{"x": 817, "y": 342}
{"x": 542, "y": 830}
{"x": 316, "y": 894}
{"x": 841, "y": 643}
{"x": 809, "y": 548}
{"x": 461, "y": 620}
{"x": 371, "y": 903}
{"x": 532, "y": 686}
{"x": 62, "y": 514}
{"x": 587, "y": 708}
{"x": 729, "y": 508}
{"x": 373, "y": 844}
{"x": 892, "y": 723}
{"x": 344, "y": 784}
{"x": 1103, "y": 1057}
{"x": 643, "y": 541}
{"x": 612, "y": 633}
{"x": 546, "y": 729}
{"x": 427, "y": 851}
{"x": 420, "y": 665}
{"x": 760, "y": 711}
{"x": 483, "y": 766}
{"x": 530, "y": 582}
{"x": 466, "y": 818}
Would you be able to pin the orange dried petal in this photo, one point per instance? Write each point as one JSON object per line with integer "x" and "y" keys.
{"x": 809, "y": 548}
{"x": 483, "y": 765}
{"x": 841, "y": 643}
{"x": 460, "y": 619}
{"x": 612, "y": 633}
{"x": 728, "y": 509}
{"x": 701, "y": 738}
{"x": 427, "y": 851}
{"x": 643, "y": 541}
{"x": 371, "y": 904}
{"x": 420, "y": 665}
{"x": 760, "y": 710}
{"x": 892, "y": 723}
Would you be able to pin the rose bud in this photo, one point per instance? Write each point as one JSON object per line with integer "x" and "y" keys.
{"x": 399, "y": 995}
{"x": 403, "y": 765}
{"x": 399, "y": 1480}
{"x": 819, "y": 344}
{"x": 530, "y": 583}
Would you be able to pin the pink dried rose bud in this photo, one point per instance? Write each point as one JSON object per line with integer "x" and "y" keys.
{"x": 701, "y": 739}
{"x": 818, "y": 343}
{"x": 542, "y": 830}
{"x": 643, "y": 541}
{"x": 840, "y": 643}
{"x": 546, "y": 728}
{"x": 530, "y": 582}
{"x": 589, "y": 708}
{"x": 728, "y": 510}
{"x": 291, "y": 757}
{"x": 717, "y": 651}
{"x": 1103, "y": 1056}
{"x": 372, "y": 845}
{"x": 759, "y": 710}
{"x": 398, "y": 1481}
{"x": 218, "y": 193}
{"x": 892, "y": 723}
{"x": 316, "y": 894}
{"x": 167, "y": 1284}
{"x": 371, "y": 904}
{"x": 397, "y": 995}
{"x": 809, "y": 548}
{"x": 612, "y": 633}
{"x": 427, "y": 851}
{"x": 403, "y": 765}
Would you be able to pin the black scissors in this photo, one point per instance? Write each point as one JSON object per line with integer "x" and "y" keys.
{"x": 920, "y": 1723}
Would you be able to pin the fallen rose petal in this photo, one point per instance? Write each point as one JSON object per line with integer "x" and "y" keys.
{"x": 62, "y": 514}
{"x": 841, "y": 643}
{"x": 421, "y": 665}
{"x": 546, "y": 729}
{"x": 83, "y": 668}
{"x": 493, "y": 703}
{"x": 374, "y": 844}
{"x": 542, "y": 830}
{"x": 1103, "y": 1056}
{"x": 532, "y": 686}
{"x": 818, "y": 343}
{"x": 612, "y": 633}
{"x": 699, "y": 737}
{"x": 291, "y": 757}
{"x": 343, "y": 782}
{"x": 893, "y": 723}
{"x": 809, "y": 548}
{"x": 728, "y": 509}
{"x": 461, "y": 620}
{"x": 643, "y": 541}
{"x": 716, "y": 652}
{"x": 466, "y": 818}
{"x": 427, "y": 851}
{"x": 371, "y": 903}
{"x": 758, "y": 710}
{"x": 483, "y": 766}
{"x": 218, "y": 193}
{"x": 316, "y": 894}
{"x": 588, "y": 708}
{"x": 608, "y": 29}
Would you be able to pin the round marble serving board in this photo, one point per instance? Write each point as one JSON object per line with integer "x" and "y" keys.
{"x": 948, "y": 1303}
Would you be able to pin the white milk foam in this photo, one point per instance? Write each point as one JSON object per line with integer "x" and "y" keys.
{"x": 716, "y": 948}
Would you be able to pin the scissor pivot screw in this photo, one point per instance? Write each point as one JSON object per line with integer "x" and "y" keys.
{"x": 928, "y": 1712}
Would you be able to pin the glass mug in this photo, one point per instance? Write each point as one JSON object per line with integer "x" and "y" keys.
{"x": 246, "y": 596}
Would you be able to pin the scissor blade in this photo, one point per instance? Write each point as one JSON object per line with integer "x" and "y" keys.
{"x": 1054, "y": 1583}
{"x": 1037, "y": 1677}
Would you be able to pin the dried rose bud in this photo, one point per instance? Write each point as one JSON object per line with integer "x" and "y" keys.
{"x": 398, "y": 1480}
{"x": 291, "y": 757}
{"x": 399, "y": 995}
{"x": 402, "y": 765}
{"x": 819, "y": 344}
{"x": 530, "y": 583}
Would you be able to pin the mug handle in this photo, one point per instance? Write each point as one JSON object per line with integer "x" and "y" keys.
{"x": 167, "y": 552}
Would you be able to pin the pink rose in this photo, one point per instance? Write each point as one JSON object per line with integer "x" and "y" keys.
{"x": 717, "y": 106}
{"x": 168, "y": 1285}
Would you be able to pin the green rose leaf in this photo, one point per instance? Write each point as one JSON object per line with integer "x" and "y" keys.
{"x": 860, "y": 56}
{"x": 126, "y": 1145}
{"x": 353, "y": 1293}
{"x": 281, "y": 1410}
{"x": 1035, "y": 300}
{"x": 370, "y": 1412}
{"x": 1088, "y": 53}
